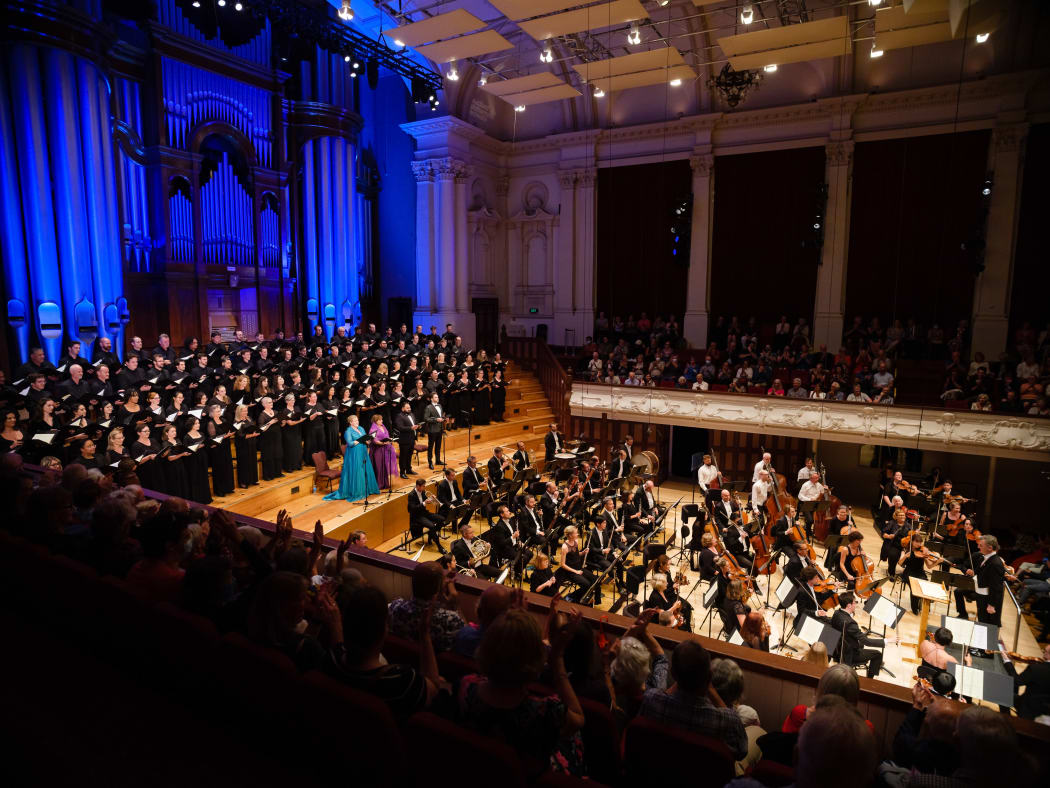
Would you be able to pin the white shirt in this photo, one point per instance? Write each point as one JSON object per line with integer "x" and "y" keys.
{"x": 627, "y": 448}
{"x": 557, "y": 442}
{"x": 759, "y": 466}
{"x": 452, "y": 491}
{"x": 728, "y": 507}
{"x": 811, "y": 491}
{"x": 649, "y": 498}
{"x": 759, "y": 493}
{"x": 978, "y": 589}
{"x": 706, "y": 474}
{"x": 803, "y": 474}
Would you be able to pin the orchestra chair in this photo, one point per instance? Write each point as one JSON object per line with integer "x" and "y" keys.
{"x": 322, "y": 471}
{"x": 772, "y": 774}
{"x": 432, "y": 738}
{"x": 645, "y": 737}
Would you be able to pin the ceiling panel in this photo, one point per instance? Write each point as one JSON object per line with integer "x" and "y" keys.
{"x": 554, "y": 93}
{"x": 895, "y": 29}
{"x": 641, "y": 78}
{"x": 465, "y": 46}
{"x": 593, "y": 18}
{"x": 896, "y": 19}
{"x": 435, "y": 28}
{"x": 796, "y": 54}
{"x": 526, "y": 9}
{"x": 781, "y": 37}
{"x": 638, "y": 61}
{"x": 505, "y": 87}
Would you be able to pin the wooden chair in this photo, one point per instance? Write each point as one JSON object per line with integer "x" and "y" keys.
{"x": 321, "y": 469}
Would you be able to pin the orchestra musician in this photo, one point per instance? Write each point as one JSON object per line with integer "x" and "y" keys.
{"x": 725, "y": 510}
{"x": 620, "y": 467}
{"x": 736, "y": 542}
{"x": 708, "y": 558}
{"x": 521, "y": 458}
{"x": 805, "y": 472}
{"x": 798, "y": 559}
{"x": 951, "y": 518}
{"x": 808, "y": 599}
{"x": 589, "y": 481}
{"x": 846, "y": 553}
{"x": 811, "y": 491}
{"x": 497, "y": 465}
{"x": 506, "y": 542}
{"x": 989, "y": 574}
{"x": 420, "y": 520}
{"x": 599, "y": 551}
{"x": 647, "y": 502}
{"x": 914, "y": 561}
{"x": 633, "y": 521}
{"x": 891, "y": 541}
{"x": 530, "y": 525}
{"x": 842, "y": 525}
{"x": 628, "y": 448}
{"x": 781, "y": 540}
{"x": 461, "y": 549}
{"x": 571, "y": 567}
{"x": 705, "y": 475}
{"x": 472, "y": 478}
{"x": 552, "y": 444}
{"x": 893, "y": 487}
{"x": 762, "y": 465}
{"x": 449, "y": 495}
{"x": 549, "y": 504}
{"x": 853, "y": 642}
{"x": 760, "y": 490}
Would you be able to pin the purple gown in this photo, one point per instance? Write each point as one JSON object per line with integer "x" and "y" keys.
{"x": 384, "y": 458}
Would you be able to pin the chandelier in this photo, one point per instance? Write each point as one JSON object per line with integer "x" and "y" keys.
{"x": 734, "y": 85}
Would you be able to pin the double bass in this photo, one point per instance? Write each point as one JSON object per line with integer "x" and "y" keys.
{"x": 759, "y": 544}
{"x": 821, "y": 520}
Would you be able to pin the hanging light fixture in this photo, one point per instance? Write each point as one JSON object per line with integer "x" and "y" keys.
{"x": 519, "y": 108}
{"x": 874, "y": 3}
{"x": 634, "y": 35}
{"x": 453, "y": 73}
{"x": 483, "y": 81}
{"x": 980, "y": 38}
{"x": 238, "y": 7}
{"x": 547, "y": 54}
{"x": 346, "y": 13}
{"x": 875, "y": 51}
{"x": 772, "y": 67}
{"x": 735, "y": 85}
{"x": 747, "y": 15}
{"x": 599, "y": 93}
{"x": 675, "y": 82}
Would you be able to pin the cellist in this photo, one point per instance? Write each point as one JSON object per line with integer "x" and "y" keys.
{"x": 846, "y": 554}
{"x": 781, "y": 540}
{"x": 736, "y": 542}
{"x": 843, "y": 525}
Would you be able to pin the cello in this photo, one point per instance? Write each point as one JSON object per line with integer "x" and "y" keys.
{"x": 863, "y": 568}
{"x": 759, "y": 545}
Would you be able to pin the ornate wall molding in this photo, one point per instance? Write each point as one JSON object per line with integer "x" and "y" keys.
{"x": 1010, "y": 138}
{"x": 895, "y": 425}
{"x": 702, "y": 164}
{"x": 839, "y": 154}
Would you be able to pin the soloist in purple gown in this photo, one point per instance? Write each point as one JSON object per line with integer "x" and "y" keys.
{"x": 384, "y": 458}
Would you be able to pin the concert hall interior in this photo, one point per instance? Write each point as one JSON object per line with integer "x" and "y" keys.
{"x": 591, "y": 390}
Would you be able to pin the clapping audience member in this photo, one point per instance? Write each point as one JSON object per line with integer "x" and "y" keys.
{"x": 433, "y": 590}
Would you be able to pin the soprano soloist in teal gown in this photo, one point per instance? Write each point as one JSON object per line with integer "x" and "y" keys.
{"x": 358, "y": 479}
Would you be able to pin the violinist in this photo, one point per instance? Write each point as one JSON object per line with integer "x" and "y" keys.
{"x": 842, "y": 525}
{"x": 934, "y": 653}
{"x": 708, "y": 558}
{"x": 725, "y": 510}
{"x": 965, "y": 536}
{"x": 892, "y": 488}
{"x": 915, "y": 561}
{"x": 737, "y": 543}
{"x": 891, "y": 535}
{"x": 988, "y": 575}
{"x": 781, "y": 540}
{"x": 951, "y": 519}
{"x": 809, "y": 600}
{"x": 1035, "y": 679}
{"x": 847, "y": 552}
{"x": 661, "y": 567}
{"x": 663, "y": 599}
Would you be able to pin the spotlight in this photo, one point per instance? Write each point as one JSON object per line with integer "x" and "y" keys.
{"x": 747, "y": 15}
{"x": 398, "y": 42}
{"x": 634, "y": 35}
{"x": 196, "y": 3}
{"x": 982, "y": 37}
{"x": 353, "y": 75}
{"x": 664, "y": 2}
{"x": 346, "y": 58}
{"x": 675, "y": 83}
{"x": 238, "y": 7}
{"x": 432, "y": 97}
{"x": 483, "y": 81}
{"x": 356, "y": 65}
{"x": 599, "y": 93}
{"x": 547, "y": 54}
{"x": 453, "y": 74}
{"x": 816, "y": 225}
{"x": 770, "y": 68}
{"x": 986, "y": 187}
{"x": 221, "y": 3}
{"x": 436, "y": 102}
{"x": 875, "y": 51}
{"x": 346, "y": 13}
{"x": 520, "y": 108}
{"x": 874, "y": 3}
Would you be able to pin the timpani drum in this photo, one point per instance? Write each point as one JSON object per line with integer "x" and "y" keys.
{"x": 645, "y": 462}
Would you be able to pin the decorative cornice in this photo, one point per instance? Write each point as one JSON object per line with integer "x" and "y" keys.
{"x": 58, "y": 26}
{"x": 566, "y": 179}
{"x": 702, "y": 164}
{"x": 1009, "y": 138}
{"x": 446, "y": 124}
{"x": 892, "y": 425}
{"x": 586, "y": 178}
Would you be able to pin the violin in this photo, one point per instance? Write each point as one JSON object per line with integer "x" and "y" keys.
{"x": 1022, "y": 657}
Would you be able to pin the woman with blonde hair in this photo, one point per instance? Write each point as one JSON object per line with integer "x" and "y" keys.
{"x": 246, "y": 444}
{"x": 817, "y": 654}
{"x": 571, "y": 569}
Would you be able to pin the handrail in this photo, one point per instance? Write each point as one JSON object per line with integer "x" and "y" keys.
{"x": 1017, "y": 607}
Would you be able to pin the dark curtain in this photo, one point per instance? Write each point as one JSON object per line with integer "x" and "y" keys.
{"x": 761, "y": 264}
{"x": 916, "y": 201}
{"x": 1028, "y": 299}
{"x": 636, "y": 271}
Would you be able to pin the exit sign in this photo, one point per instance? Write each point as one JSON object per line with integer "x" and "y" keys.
{"x": 534, "y": 310}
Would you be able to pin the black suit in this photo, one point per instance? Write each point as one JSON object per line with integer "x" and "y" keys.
{"x": 794, "y": 566}
{"x": 806, "y": 600}
{"x": 722, "y": 519}
{"x": 547, "y": 507}
{"x": 433, "y": 416}
{"x": 464, "y": 556}
{"x": 551, "y": 446}
{"x": 406, "y": 441}
{"x": 619, "y": 469}
{"x": 495, "y": 466}
{"x": 472, "y": 481}
{"x": 419, "y": 519}
{"x": 504, "y": 547}
{"x": 988, "y": 574}
{"x": 737, "y": 544}
{"x": 853, "y": 642}
{"x": 450, "y": 496}
{"x": 521, "y": 460}
{"x": 530, "y": 523}
{"x": 779, "y": 531}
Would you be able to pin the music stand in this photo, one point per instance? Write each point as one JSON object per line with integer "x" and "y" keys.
{"x": 708, "y": 601}
{"x": 984, "y": 685}
{"x": 833, "y": 542}
{"x": 971, "y": 634}
{"x": 962, "y": 582}
{"x": 888, "y": 613}
{"x": 928, "y": 592}
{"x": 812, "y": 630}
{"x": 787, "y": 592}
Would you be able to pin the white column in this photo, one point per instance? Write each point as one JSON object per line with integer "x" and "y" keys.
{"x": 462, "y": 269}
{"x": 583, "y": 272}
{"x": 503, "y": 273}
{"x": 694, "y": 322}
{"x": 565, "y": 261}
{"x": 424, "y": 172}
{"x": 829, "y": 304}
{"x": 991, "y": 297}
{"x": 446, "y": 233}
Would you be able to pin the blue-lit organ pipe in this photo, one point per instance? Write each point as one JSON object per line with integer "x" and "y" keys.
{"x": 269, "y": 231}
{"x": 170, "y": 15}
{"x": 226, "y": 218}
{"x": 329, "y": 205}
{"x": 180, "y": 211}
{"x": 136, "y": 237}
{"x": 193, "y": 96}
{"x": 61, "y": 251}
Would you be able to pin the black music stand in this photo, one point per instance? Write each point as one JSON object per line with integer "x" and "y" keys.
{"x": 787, "y": 592}
{"x": 833, "y": 542}
{"x": 811, "y": 629}
{"x": 708, "y": 601}
{"x": 962, "y": 582}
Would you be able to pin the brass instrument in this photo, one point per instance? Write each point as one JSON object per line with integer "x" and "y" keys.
{"x": 480, "y": 549}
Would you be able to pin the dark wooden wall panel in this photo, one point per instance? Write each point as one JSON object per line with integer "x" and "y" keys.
{"x": 1028, "y": 298}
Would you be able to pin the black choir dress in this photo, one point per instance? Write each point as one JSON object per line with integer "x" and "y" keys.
{"x": 270, "y": 449}
{"x": 146, "y": 471}
{"x": 247, "y": 453}
{"x": 196, "y": 466}
{"x": 220, "y": 457}
{"x": 292, "y": 440}
{"x": 482, "y": 402}
{"x": 313, "y": 433}
{"x": 172, "y": 473}
{"x": 499, "y": 399}
{"x": 331, "y": 429}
